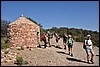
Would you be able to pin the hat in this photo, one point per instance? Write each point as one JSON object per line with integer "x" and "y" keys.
{"x": 69, "y": 35}
{"x": 48, "y": 31}
{"x": 88, "y": 35}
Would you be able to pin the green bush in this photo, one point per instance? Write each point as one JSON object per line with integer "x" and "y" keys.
{"x": 80, "y": 39}
{"x": 19, "y": 60}
{"x": 22, "y": 48}
{"x": 5, "y": 46}
{"x": 4, "y": 43}
{"x": 6, "y": 51}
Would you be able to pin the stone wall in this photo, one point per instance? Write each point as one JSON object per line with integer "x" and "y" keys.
{"x": 23, "y": 32}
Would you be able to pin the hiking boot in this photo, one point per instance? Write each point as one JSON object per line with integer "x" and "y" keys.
{"x": 69, "y": 53}
{"x": 39, "y": 46}
{"x": 56, "y": 47}
{"x": 92, "y": 61}
{"x": 44, "y": 46}
{"x": 65, "y": 48}
{"x": 88, "y": 62}
{"x": 72, "y": 54}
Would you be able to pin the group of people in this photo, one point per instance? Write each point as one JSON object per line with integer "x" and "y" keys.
{"x": 87, "y": 45}
{"x": 68, "y": 42}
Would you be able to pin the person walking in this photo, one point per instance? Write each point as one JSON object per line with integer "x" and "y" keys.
{"x": 38, "y": 41}
{"x": 70, "y": 45}
{"x": 65, "y": 38}
{"x": 44, "y": 40}
{"x": 89, "y": 49}
{"x": 49, "y": 38}
{"x": 57, "y": 39}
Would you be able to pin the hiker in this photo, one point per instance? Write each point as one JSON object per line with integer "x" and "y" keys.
{"x": 65, "y": 40}
{"x": 57, "y": 39}
{"x": 48, "y": 35}
{"x": 70, "y": 45}
{"x": 44, "y": 40}
{"x": 38, "y": 41}
{"x": 89, "y": 49}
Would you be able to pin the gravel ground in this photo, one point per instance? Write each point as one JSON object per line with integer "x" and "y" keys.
{"x": 52, "y": 56}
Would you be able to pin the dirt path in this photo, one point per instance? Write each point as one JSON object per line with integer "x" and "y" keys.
{"x": 52, "y": 56}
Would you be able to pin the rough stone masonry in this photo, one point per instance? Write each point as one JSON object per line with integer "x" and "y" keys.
{"x": 23, "y": 32}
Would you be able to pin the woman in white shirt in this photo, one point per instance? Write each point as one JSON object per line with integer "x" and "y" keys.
{"x": 89, "y": 44}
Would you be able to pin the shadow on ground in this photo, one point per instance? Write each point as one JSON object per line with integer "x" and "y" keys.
{"x": 97, "y": 55}
{"x": 56, "y": 46}
{"x": 42, "y": 45}
{"x": 62, "y": 52}
{"x": 74, "y": 59}
{"x": 53, "y": 45}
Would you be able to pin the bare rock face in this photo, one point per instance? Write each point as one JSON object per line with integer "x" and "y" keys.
{"x": 23, "y": 32}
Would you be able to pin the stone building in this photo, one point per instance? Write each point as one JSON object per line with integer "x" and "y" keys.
{"x": 23, "y": 32}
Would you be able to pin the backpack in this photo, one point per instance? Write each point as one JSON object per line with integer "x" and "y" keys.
{"x": 43, "y": 37}
{"x": 64, "y": 37}
{"x": 84, "y": 46}
{"x": 70, "y": 41}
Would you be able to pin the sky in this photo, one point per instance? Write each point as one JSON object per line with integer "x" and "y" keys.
{"x": 71, "y": 14}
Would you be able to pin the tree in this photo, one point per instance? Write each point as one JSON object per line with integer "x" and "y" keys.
{"x": 77, "y": 34}
{"x": 4, "y": 42}
{"x": 4, "y": 24}
{"x": 34, "y": 21}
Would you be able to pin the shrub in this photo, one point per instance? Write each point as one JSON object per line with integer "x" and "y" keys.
{"x": 80, "y": 39}
{"x": 4, "y": 43}
{"x": 22, "y": 48}
{"x": 4, "y": 46}
{"x": 19, "y": 60}
{"x": 6, "y": 51}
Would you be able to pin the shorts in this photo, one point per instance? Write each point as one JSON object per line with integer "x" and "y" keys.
{"x": 89, "y": 50}
{"x": 69, "y": 46}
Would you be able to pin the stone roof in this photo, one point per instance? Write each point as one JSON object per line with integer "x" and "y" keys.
{"x": 23, "y": 19}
